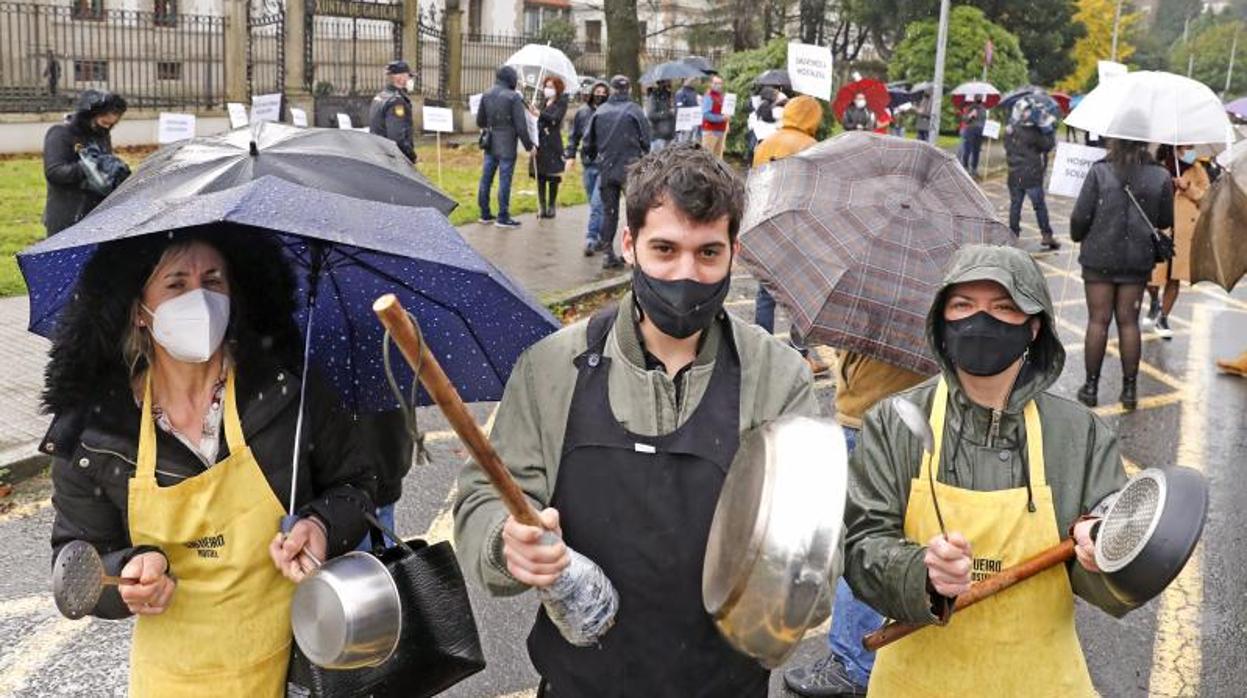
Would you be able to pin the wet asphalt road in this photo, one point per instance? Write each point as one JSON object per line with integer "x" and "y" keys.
{"x": 1190, "y": 641}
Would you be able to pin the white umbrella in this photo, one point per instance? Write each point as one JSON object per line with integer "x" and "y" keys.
{"x": 969, "y": 90}
{"x": 536, "y": 61}
{"x": 1153, "y": 107}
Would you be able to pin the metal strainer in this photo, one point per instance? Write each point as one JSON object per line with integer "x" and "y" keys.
{"x": 1150, "y": 531}
{"x": 78, "y": 579}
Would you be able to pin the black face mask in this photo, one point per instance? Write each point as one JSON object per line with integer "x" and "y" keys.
{"x": 982, "y": 345}
{"x": 599, "y": 100}
{"x": 679, "y": 308}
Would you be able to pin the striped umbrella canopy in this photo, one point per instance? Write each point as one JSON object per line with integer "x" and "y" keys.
{"x": 852, "y": 236}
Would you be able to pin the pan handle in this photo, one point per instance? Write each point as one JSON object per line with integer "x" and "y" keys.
{"x": 1006, "y": 578}
{"x": 434, "y": 379}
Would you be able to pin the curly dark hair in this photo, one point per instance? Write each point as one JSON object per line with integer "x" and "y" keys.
{"x": 700, "y": 185}
{"x": 88, "y": 357}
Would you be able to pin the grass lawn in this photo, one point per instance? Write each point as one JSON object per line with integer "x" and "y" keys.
{"x": 22, "y": 196}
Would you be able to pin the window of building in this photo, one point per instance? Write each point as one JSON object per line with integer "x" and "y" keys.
{"x": 88, "y": 9}
{"x": 475, "y": 10}
{"x": 166, "y": 13}
{"x": 90, "y": 71}
{"x": 169, "y": 70}
{"x": 593, "y": 33}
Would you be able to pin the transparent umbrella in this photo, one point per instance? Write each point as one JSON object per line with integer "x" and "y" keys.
{"x": 535, "y": 61}
{"x": 1153, "y": 107}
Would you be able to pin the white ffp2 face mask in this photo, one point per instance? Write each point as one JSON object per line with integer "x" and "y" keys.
{"x": 191, "y": 326}
{"x": 549, "y": 92}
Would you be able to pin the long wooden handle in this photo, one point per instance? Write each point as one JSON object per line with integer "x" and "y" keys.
{"x": 109, "y": 580}
{"x": 1006, "y": 578}
{"x": 439, "y": 387}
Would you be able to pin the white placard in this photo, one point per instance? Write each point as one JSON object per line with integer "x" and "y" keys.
{"x": 439, "y": 119}
{"x": 755, "y": 101}
{"x": 1070, "y": 167}
{"x": 809, "y": 67}
{"x": 763, "y": 129}
{"x": 687, "y": 118}
{"x": 237, "y": 115}
{"x": 344, "y": 121}
{"x": 729, "y": 105}
{"x": 175, "y": 127}
{"x": 532, "y": 126}
{"x": 474, "y": 103}
{"x": 266, "y": 107}
{"x": 1111, "y": 69}
{"x": 991, "y": 129}
{"x": 298, "y": 117}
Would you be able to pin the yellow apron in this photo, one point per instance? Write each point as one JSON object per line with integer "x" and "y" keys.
{"x": 1020, "y": 642}
{"x": 227, "y": 629}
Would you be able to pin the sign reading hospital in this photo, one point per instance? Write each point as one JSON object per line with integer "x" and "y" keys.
{"x": 809, "y": 68}
{"x": 1070, "y": 166}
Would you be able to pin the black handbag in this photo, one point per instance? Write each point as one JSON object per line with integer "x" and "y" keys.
{"x": 486, "y": 139}
{"x": 1162, "y": 245}
{"x": 438, "y": 646}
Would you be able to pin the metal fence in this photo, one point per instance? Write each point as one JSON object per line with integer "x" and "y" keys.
{"x": 266, "y": 51}
{"x": 156, "y": 60}
{"x": 432, "y": 66}
{"x": 349, "y": 54}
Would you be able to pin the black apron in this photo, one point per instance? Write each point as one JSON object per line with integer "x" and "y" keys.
{"x": 641, "y": 507}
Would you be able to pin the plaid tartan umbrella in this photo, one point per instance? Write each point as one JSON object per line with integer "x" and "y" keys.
{"x": 852, "y": 236}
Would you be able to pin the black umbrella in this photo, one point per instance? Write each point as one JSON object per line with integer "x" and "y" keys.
{"x": 672, "y": 71}
{"x": 700, "y": 63}
{"x": 774, "y": 78}
{"x": 355, "y": 164}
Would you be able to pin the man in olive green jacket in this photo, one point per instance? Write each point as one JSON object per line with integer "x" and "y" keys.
{"x": 992, "y": 328}
{"x": 621, "y": 429}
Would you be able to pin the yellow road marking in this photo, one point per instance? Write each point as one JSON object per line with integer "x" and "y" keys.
{"x": 530, "y": 693}
{"x": 32, "y": 652}
{"x": 443, "y": 525}
{"x": 25, "y": 605}
{"x": 1176, "y": 652}
{"x": 1145, "y": 403}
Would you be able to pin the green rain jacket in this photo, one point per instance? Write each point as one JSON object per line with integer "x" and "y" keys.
{"x": 529, "y": 428}
{"x": 1080, "y": 451}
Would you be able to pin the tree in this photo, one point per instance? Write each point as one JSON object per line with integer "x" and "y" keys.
{"x": 1046, "y": 32}
{"x": 1097, "y": 45}
{"x": 1211, "y": 49}
{"x": 1170, "y": 19}
{"x": 623, "y": 47}
{"x": 968, "y": 32}
{"x": 560, "y": 34}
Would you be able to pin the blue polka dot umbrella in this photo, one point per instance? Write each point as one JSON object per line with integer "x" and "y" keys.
{"x": 346, "y": 252}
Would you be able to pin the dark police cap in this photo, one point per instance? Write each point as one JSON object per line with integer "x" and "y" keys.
{"x": 397, "y": 68}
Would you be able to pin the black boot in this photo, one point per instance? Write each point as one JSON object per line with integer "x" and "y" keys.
{"x": 1130, "y": 393}
{"x": 1089, "y": 390}
{"x": 541, "y": 198}
{"x": 552, "y": 197}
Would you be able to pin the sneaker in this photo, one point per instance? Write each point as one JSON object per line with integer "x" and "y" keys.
{"x": 1049, "y": 242}
{"x": 1162, "y": 328}
{"x": 1147, "y": 323}
{"x": 825, "y": 677}
{"x": 485, "y": 220}
{"x": 507, "y": 223}
{"x": 591, "y": 248}
{"x": 612, "y": 262}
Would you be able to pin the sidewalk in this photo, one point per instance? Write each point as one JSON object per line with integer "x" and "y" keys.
{"x": 543, "y": 256}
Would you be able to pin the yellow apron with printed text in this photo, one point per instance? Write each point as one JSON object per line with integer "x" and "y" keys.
{"x": 226, "y": 630}
{"x": 1020, "y": 642}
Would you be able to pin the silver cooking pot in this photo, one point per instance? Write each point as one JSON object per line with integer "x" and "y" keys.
{"x": 775, "y": 536}
{"x": 347, "y": 614}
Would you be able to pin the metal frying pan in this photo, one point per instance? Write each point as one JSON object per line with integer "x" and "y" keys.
{"x": 1141, "y": 544}
{"x": 775, "y": 536}
{"x": 78, "y": 579}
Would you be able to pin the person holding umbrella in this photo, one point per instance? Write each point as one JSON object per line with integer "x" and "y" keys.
{"x": 623, "y": 428}
{"x": 661, "y": 115}
{"x": 1118, "y": 254}
{"x": 389, "y": 115}
{"x": 1014, "y": 470}
{"x": 617, "y": 136}
{"x": 503, "y": 125}
{"x": 687, "y": 96}
{"x": 1027, "y": 145}
{"x": 549, "y": 164}
{"x": 858, "y": 116}
{"x": 973, "y": 118}
{"x": 174, "y": 388}
{"x": 1190, "y": 183}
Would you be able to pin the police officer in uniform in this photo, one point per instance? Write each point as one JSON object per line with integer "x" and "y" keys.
{"x": 390, "y": 113}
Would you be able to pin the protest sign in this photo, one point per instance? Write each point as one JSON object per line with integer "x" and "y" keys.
{"x": 266, "y": 107}
{"x": 172, "y": 128}
{"x": 687, "y": 118}
{"x": 729, "y": 104}
{"x": 298, "y": 117}
{"x": 237, "y": 115}
{"x": 474, "y": 103}
{"x": 991, "y": 129}
{"x": 439, "y": 119}
{"x": 344, "y": 121}
{"x": 809, "y": 67}
{"x": 1070, "y": 166}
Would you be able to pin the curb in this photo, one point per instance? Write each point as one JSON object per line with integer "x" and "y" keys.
{"x": 579, "y": 293}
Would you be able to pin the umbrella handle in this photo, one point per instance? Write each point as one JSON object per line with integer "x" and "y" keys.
{"x": 401, "y": 328}
{"x": 1051, "y": 557}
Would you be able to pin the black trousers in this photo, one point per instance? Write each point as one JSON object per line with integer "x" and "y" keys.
{"x": 611, "y": 193}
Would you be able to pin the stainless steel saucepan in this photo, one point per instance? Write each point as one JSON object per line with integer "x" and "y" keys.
{"x": 775, "y": 536}
{"x": 348, "y": 614}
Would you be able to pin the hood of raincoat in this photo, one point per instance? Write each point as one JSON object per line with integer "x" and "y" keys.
{"x": 92, "y": 103}
{"x": 1014, "y": 269}
{"x": 507, "y": 77}
{"x": 803, "y": 114}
